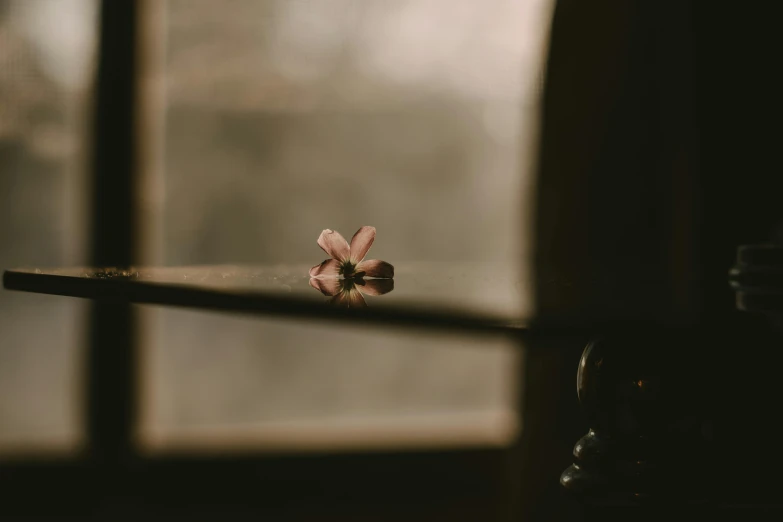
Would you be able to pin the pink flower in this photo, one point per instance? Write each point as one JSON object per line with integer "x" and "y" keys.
{"x": 348, "y": 260}
{"x": 349, "y": 293}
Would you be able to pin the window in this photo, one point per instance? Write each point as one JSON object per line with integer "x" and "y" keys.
{"x": 262, "y": 123}
{"x": 284, "y": 117}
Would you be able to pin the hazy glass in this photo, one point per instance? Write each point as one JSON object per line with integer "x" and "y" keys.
{"x": 285, "y": 117}
{"x": 46, "y": 55}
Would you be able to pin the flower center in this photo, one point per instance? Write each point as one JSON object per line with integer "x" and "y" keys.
{"x": 347, "y": 269}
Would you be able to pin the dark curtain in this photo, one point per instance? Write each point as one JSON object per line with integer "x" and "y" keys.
{"x": 658, "y": 157}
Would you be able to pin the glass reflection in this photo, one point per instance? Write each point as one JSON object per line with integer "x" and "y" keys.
{"x": 350, "y": 292}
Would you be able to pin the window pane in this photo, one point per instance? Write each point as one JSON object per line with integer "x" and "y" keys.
{"x": 215, "y": 381}
{"x": 285, "y": 117}
{"x": 46, "y": 52}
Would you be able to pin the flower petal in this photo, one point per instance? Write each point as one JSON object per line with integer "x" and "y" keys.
{"x": 329, "y": 268}
{"x": 349, "y": 299}
{"x": 355, "y": 299}
{"x": 330, "y": 286}
{"x": 334, "y": 244}
{"x": 361, "y": 242}
{"x": 376, "y": 286}
{"x": 338, "y": 301}
{"x": 375, "y": 268}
